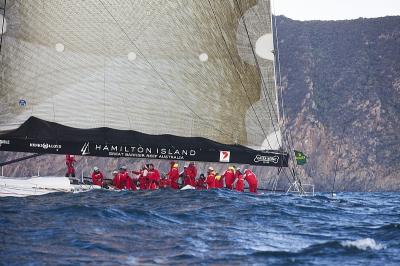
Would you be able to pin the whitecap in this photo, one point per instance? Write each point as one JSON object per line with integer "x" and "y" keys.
{"x": 363, "y": 244}
{"x": 132, "y": 260}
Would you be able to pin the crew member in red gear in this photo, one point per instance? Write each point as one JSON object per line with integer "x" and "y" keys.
{"x": 171, "y": 164}
{"x": 173, "y": 175}
{"x": 187, "y": 176}
{"x": 192, "y": 173}
{"x": 239, "y": 181}
{"x": 122, "y": 179}
{"x": 142, "y": 177}
{"x": 210, "y": 178}
{"x": 153, "y": 176}
{"x": 97, "y": 177}
{"x": 69, "y": 161}
{"x": 114, "y": 180}
{"x": 130, "y": 184}
{"x": 251, "y": 179}
{"x": 165, "y": 182}
{"x": 201, "y": 182}
{"x": 219, "y": 181}
{"x": 229, "y": 177}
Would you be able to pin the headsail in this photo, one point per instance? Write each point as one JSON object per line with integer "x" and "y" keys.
{"x": 179, "y": 72}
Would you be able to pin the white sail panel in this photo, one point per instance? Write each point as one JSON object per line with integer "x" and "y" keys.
{"x": 179, "y": 67}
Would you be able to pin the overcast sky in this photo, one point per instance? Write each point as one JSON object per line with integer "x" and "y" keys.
{"x": 335, "y": 9}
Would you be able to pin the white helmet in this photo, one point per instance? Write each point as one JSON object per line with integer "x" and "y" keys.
{"x": 95, "y": 169}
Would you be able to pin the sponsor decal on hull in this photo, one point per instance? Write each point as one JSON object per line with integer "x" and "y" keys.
{"x": 224, "y": 156}
{"x": 139, "y": 151}
{"x": 4, "y": 141}
{"x": 45, "y": 146}
{"x": 85, "y": 149}
{"x": 266, "y": 159}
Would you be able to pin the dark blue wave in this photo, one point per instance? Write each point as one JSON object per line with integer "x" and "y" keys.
{"x": 199, "y": 227}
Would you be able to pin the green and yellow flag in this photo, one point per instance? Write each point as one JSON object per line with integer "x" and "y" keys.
{"x": 301, "y": 158}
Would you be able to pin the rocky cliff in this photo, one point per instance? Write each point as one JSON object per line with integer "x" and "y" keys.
{"x": 341, "y": 91}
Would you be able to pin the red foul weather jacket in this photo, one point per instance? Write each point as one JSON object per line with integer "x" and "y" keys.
{"x": 200, "y": 184}
{"x": 192, "y": 174}
{"x": 251, "y": 179}
{"x": 239, "y": 183}
{"x": 229, "y": 178}
{"x": 154, "y": 179}
{"x": 210, "y": 181}
{"x": 122, "y": 181}
{"x": 174, "y": 176}
{"x": 165, "y": 182}
{"x": 97, "y": 178}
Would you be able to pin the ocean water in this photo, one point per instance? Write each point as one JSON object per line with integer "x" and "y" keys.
{"x": 217, "y": 227}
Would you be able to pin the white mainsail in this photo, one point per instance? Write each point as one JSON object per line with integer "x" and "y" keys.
{"x": 179, "y": 67}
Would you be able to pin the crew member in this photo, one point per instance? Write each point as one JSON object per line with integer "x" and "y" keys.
{"x": 210, "y": 178}
{"x": 154, "y": 177}
{"x": 165, "y": 182}
{"x": 143, "y": 172}
{"x": 229, "y": 177}
{"x": 192, "y": 172}
{"x": 116, "y": 180}
{"x": 173, "y": 175}
{"x": 239, "y": 181}
{"x": 129, "y": 182}
{"x": 97, "y": 177}
{"x": 219, "y": 181}
{"x": 187, "y": 176}
{"x": 123, "y": 180}
{"x": 201, "y": 182}
{"x": 70, "y": 161}
{"x": 111, "y": 184}
{"x": 251, "y": 179}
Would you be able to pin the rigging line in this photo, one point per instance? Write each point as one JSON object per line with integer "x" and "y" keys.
{"x": 278, "y": 61}
{"x": 264, "y": 90}
{"x": 294, "y": 163}
{"x": 258, "y": 16}
{"x": 286, "y": 133}
{"x": 159, "y": 75}
{"x": 104, "y": 83}
{"x": 287, "y": 176}
{"x": 237, "y": 71}
{"x": 290, "y": 145}
{"x": 289, "y": 141}
{"x": 2, "y": 26}
{"x": 205, "y": 8}
{"x": 260, "y": 73}
{"x": 264, "y": 87}
{"x": 52, "y": 93}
